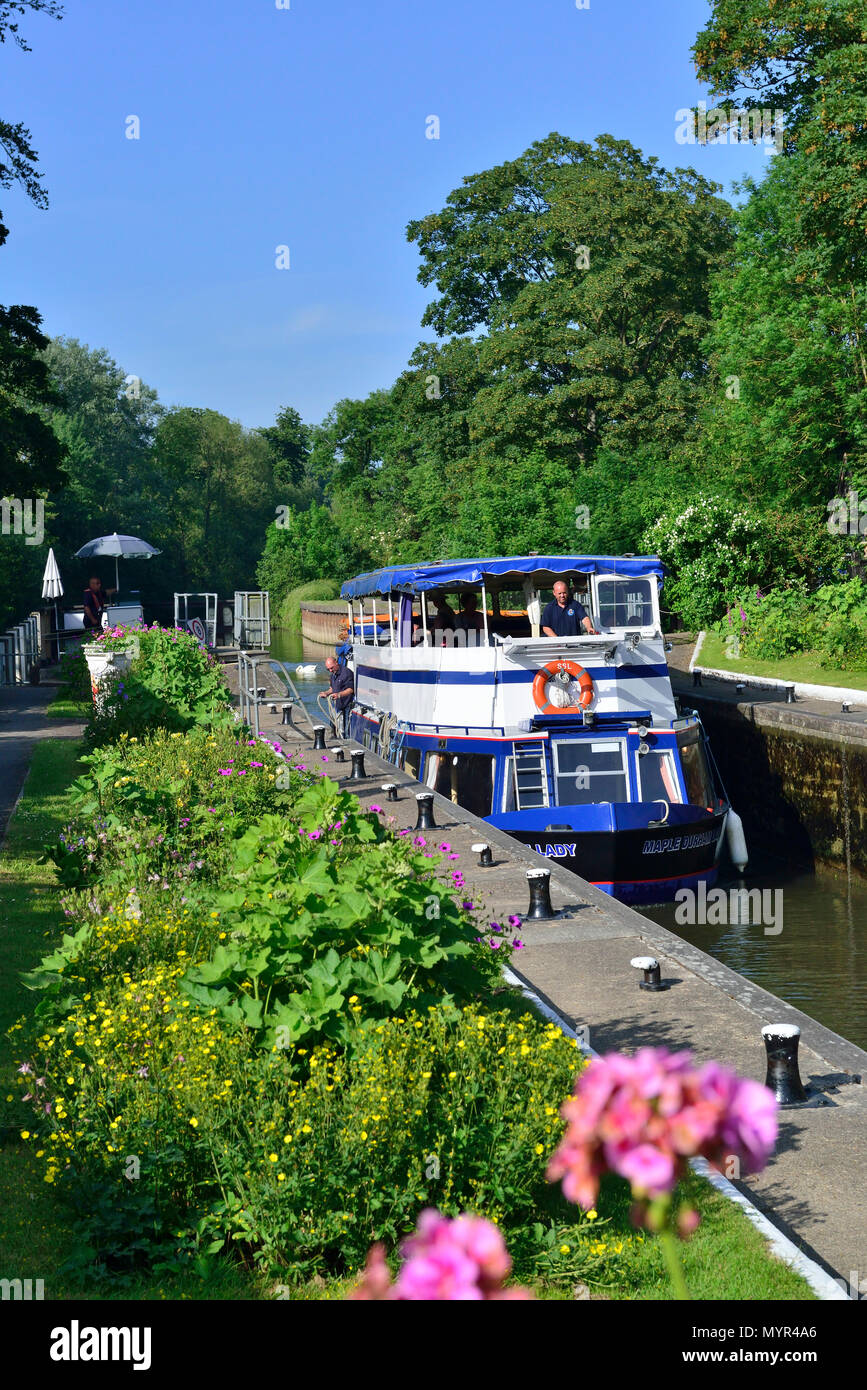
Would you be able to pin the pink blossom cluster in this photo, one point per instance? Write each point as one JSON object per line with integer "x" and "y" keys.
{"x": 644, "y": 1116}
{"x": 459, "y": 1259}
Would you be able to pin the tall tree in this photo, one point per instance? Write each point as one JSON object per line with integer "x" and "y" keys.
{"x": 216, "y": 499}
{"x": 587, "y": 267}
{"x": 30, "y": 454}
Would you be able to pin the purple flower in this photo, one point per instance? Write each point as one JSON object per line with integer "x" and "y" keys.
{"x": 518, "y": 945}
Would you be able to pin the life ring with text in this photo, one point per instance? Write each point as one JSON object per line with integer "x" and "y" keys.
{"x": 552, "y": 671}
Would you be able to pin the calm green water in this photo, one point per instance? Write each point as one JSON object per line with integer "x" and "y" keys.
{"x": 294, "y": 649}
{"x": 818, "y": 962}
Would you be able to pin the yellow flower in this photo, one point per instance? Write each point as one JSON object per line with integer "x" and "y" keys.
{"x": 592, "y": 1214}
{"x": 25, "y": 1134}
{"x": 194, "y": 1122}
{"x": 540, "y": 1148}
{"x": 564, "y": 1249}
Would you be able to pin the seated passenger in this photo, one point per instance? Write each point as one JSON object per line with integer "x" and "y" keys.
{"x": 444, "y": 618}
{"x": 469, "y": 619}
{"x": 565, "y": 617}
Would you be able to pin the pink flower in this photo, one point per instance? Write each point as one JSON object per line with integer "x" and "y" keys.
{"x": 446, "y": 1260}
{"x": 643, "y": 1116}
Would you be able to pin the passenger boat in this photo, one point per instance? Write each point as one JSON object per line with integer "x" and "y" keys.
{"x": 573, "y": 745}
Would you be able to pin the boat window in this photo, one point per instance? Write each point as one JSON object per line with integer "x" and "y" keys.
{"x": 657, "y": 777}
{"x": 696, "y": 773}
{"x": 625, "y": 602}
{"x": 411, "y": 760}
{"x": 466, "y": 778}
{"x": 590, "y": 770}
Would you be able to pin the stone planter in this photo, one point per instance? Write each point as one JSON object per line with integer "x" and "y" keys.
{"x": 105, "y": 667}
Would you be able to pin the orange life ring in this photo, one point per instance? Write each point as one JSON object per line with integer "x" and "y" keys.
{"x": 553, "y": 668}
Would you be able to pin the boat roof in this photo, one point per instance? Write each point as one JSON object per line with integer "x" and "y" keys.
{"x": 504, "y": 572}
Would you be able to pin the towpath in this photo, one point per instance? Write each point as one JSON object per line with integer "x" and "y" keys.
{"x": 23, "y": 724}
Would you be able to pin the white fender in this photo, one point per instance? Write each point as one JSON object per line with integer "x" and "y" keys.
{"x": 736, "y": 840}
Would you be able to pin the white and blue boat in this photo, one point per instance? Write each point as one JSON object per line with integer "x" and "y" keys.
{"x": 573, "y": 745}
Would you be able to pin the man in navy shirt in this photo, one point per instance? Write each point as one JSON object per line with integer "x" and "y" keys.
{"x": 342, "y": 688}
{"x": 564, "y": 617}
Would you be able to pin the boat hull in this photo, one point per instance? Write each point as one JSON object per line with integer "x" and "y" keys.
{"x": 640, "y": 866}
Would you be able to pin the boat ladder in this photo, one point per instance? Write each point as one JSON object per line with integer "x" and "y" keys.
{"x": 531, "y": 775}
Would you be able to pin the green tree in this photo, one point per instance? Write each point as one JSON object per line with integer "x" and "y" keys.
{"x": 588, "y": 269}
{"x": 786, "y": 419}
{"x": 216, "y": 499}
{"x": 30, "y": 455}
{"x": 289, "y": 441}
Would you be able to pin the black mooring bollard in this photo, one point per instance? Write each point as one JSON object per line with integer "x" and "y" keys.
{"x": 318, "y": 737}
{"x": 390, "y": 789}
{"x": 783, "y": 1077}
{"x": 696, "y": 677}
{"x": 425, "y": 820}
{"x": 338, "y": 755}
{"x": 287, "y": 714}
{"x": 539, "y": 883}
{"x": 486, "y": 859}
{"x": 790, "y": 694}
{"x": 652, "y": 976}
{"x": 358, "y": 773}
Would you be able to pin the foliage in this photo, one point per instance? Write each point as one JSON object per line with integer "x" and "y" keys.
{"x": 304, "y": 546}
{"x": 714, "y": 545}
{"x": 172, "y": 684}
{"x": 332, "y": 917}
{"x": 160, "y": 811}
{"x": 831, "y": 621}
{"x": 30, "y": 454}
{"x": 455, "y": 1106}
{"x": 74, "y": 675}
{"x": 288, "y": 613}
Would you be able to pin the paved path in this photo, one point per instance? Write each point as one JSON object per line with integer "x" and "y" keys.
{"x": 814, "y": 1187}
{"x": 23, "y": 723}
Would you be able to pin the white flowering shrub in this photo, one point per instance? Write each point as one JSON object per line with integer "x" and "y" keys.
{"x": 714, "y": 548}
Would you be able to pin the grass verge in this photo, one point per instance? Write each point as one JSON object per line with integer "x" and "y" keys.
{"x": 804, "y": 667}
{"x": 36, "y": 1232}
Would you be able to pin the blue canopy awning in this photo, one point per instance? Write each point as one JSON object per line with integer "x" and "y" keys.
{"x": 503, "y": 573}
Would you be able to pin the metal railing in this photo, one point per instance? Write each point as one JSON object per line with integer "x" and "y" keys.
{"x": 19, "y": 651}
{"x": 251, "y": 669}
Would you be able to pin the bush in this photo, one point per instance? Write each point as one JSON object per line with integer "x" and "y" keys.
{"x": 228, "y": 1144}
{"x": 161, "y": 810}
{"x": 74, "y": 675}
{"x": 328, "y": 917}
{"x": 840, "y": 625}
{"x": 172, "y": 684}
{"x": 314, "y": 591}
{"x": 832, "y": 622}
{"x": 771, "y": 626}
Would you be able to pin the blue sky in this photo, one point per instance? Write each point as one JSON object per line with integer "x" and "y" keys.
{"x": 304, "y": 127}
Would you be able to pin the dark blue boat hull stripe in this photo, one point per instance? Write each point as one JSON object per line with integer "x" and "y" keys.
{"x": 618, "y": 673}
